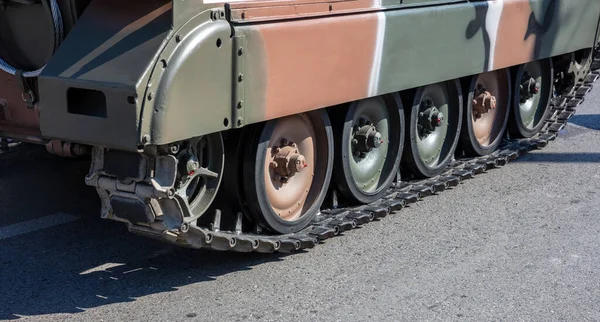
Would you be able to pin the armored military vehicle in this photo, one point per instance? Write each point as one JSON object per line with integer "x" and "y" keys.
{"x": 256, "y": 125}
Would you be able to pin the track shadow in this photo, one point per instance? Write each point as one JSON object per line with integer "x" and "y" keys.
{"x": 590, "y": 121}
{"x": 90, "y": 262}
{"x": 560, "y": 157}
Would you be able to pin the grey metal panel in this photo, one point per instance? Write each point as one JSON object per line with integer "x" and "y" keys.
{"x": 117, "y": 130}
{"x": 194, "y": 92}
{"x": 111, "y": 49}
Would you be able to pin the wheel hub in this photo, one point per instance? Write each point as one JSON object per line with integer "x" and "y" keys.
{"x": 483, "y": 102}
{"x": 287, "y": 161}
{"x": 429, "y": 119}
{"x": 191, "y": 164}
{"x": 529, "y": 87}
{"x": 365, "y": 138}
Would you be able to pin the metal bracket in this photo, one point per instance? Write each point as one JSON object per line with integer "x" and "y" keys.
{"x": 217, "y": 14}
{"x": 238, "y": 108}
{"x": 26, "y": 90}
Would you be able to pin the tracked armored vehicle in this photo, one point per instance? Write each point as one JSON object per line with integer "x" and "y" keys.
{"x": 270, "y": 125}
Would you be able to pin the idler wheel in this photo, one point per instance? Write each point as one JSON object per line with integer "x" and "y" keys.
{"x": 287, "y": 170}
{"x": 531, "y": 98}
{"x": 200, "y": 169}
{"x": 486, "y": 112}
{"x": 369, "y": 142}
{"x": 435, "y": 123}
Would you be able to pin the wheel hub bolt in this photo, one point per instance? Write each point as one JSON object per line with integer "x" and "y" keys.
{"x": 287, "y": 161}
{"x": 365, "y": 139}
{"x": 529, "y": 87}
{"x": 483, "y": 101}
{"x": 437, "y": 119}
{"x": 430, "y": 118}
{"x": 297, "y": 162}
{"x": 191, "y": 165}
{"x": 534, "y": 87}
{"x": 374, "y": 139}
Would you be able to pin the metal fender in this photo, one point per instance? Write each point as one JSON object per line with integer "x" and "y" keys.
{"x": 189, "y": 92}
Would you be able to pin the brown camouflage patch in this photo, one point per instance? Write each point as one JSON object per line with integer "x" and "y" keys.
{"x": 511, "y": 46}
{"x": 317, "y": 63}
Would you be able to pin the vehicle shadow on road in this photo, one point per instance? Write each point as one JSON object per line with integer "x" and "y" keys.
{"x": 90, "y": 262}
{"x": 590, "y": 121}
{"x": 541, "y": 156}
{"x": 69, "y": 269}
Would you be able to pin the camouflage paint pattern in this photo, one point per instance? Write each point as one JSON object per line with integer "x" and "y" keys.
{"x": 308, "y": 64}
{"x": 111, "y": 50}
{"x": 295, "y": 65}
{"x": 175, "y": 70}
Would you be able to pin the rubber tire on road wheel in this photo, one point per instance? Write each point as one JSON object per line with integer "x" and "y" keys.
{"x": 343, "y": 128}
{"x": 469, "y": 142}
{"x": 516, "y": 126}
{"x": 412, "y": 159}
{"x": 253, "y": 172}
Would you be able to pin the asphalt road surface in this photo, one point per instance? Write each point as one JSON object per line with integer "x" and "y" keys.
{"x": 520, "y": 242}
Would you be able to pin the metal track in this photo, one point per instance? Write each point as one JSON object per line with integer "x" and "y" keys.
{"x": 332, "y": 222}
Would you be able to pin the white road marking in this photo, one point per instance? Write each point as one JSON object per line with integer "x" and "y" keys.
{"x": 35, "y": 225}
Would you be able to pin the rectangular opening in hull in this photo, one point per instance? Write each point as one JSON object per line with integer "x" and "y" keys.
{"x": 86, "y": 102}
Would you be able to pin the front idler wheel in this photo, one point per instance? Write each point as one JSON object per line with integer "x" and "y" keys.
{"x": 369, "y": 141}
{"x": 200, "y": 169}
{"x": 435, "y": 123}
{"x": 486, "y": 112}
{"x": 531, "y": 98}
{"x": 287, "y": 170}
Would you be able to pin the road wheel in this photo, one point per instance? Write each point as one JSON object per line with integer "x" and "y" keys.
{"x": 531, "y": 98}
{"x": 435, "y": 123}
{"x": 287, "y": 170}
{"x": 369, "y": 141}
{"x": 486, "y": 112}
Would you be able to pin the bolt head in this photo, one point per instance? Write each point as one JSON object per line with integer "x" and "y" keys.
{"x": 493, "y": 102}
{"x": 300, "y": 163}
{"x": 377, "y": 140}
{"x": 192, "y": 164}
{"x": 437, "y": 119}
{"x": 185, "y": 227}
